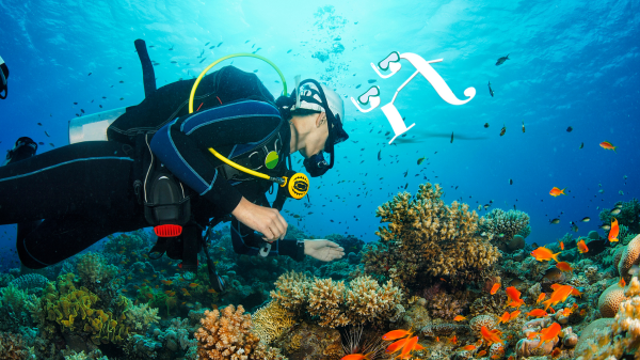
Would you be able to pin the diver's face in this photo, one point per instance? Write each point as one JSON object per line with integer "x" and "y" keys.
{"x": 317, "y": 137}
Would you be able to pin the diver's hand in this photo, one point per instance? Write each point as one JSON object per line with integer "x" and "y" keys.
{"x": 323, "y": 250}
{"x": 265, "y": 220}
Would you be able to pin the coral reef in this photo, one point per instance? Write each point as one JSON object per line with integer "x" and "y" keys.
{"x": 630, "y": 257}
{"x": 443, "y": 329}
{"x": 30, "y": 282}
{"x": 617, "y": 338}
{"x": 336, "y": 305}
{"x": 93, "y": 268}
{"x": 446, "y": 306}
{"x": 488, "y": 321}
{"x": 12, "y": 347}
{"x": 140, "y": 317}
{"x": 504, "y": 226}
{"x": 630, "y": 210}
{"x": 226, "y": 335}
{"x": 271, "y": 321}
{"x": 312, "y": 342}
{"x": 74, "y": 309}
{"x": 610, "y": 300}
{"x": 427, "y": 237}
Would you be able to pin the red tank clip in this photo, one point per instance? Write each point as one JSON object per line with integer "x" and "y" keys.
{"x": 168, "y": 230}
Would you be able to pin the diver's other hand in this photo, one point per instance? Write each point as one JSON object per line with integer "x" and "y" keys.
{"x": 265, "y": 220}
{"x": 323, "y": 250}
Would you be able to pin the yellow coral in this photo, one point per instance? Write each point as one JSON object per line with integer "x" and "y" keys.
{"x": 72, "y": 308}
{"x": 270, "y": 321}
{"x": 336, "y": 305}
{"x": 426, "y": 236}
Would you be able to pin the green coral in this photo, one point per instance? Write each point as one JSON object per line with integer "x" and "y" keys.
{"x": 93, "y": 268}
{"x": 75, "y": 310}
{"x": 628, "y": 216}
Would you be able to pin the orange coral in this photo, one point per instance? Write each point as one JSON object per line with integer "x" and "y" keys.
{"x": 227, "y": 336}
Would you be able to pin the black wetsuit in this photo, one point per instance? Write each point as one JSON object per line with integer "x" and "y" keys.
{"x": 84, "y": 191}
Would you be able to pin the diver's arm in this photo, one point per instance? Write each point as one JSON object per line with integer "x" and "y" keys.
{"x": 246, "y": 241}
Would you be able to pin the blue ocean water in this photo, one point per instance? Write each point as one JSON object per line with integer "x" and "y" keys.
{"x": 571, "y": 63}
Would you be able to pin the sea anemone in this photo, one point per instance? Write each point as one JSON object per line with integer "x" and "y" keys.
{"x": 353, "y": 342}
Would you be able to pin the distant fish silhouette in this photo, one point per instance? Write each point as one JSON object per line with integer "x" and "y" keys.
{"x": 502, "y": 60}
{"x": 490, "y": 90}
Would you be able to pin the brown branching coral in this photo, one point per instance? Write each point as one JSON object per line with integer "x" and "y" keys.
{"x": 425, "y": 236}
{"x": 227, "y": 336}
{"x": 336, "y": 305}
{"x": 446, "y": 306}
{"x": 12, "y": 347}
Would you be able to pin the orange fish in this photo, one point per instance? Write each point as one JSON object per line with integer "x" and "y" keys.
{"x": 566, "y": 312}
{"x": 357, "y": 357}
{"x": 211, "y": 291}
{"x": 537, "y": 313}
{"x": 549, "y": 333}
{"x": 150, "y": 296}
{"x": 437, "y": 338}
{"x": 453, "y": 340}
{"x": 514, "y": 295}
{"x": 544, "y": 254}
{"x": 614, "y": 231}
{"x": 495, "y": 288}
{"x": 168, "y": 292}
{"x": 531, "y": 335}
{"x": 396, "y": 346}
{"x": 576, "y": 292}
{"x": 469, "y": 347}
{"x": 556, "y": 352}
{"x": 541, "y": 297}
{"x": 608, "y": 146}
{"x": 136, "y": 287}
{"x": 561, "y": 293}
{"x": 514, "y": 314}
{"x": 504, "y": 318}
{"x": 194, "y": 285}
{"x": 482, "y": 353}
{"x": 552, "y": 310}
{"x": 492, "y": 336}
{"x": 556, "y": 192}
{"x": 408, "y": 348}
{"x": 396, "y": 334}
{"x": 166, "y": 282}
{"x": 622, "y": 283}
{"x": 459, "y": 318}
{"x": 124, "y": 290}
{"x": 561, "y": 246}
{"x": 582, "y": 247}
{"x": 583, "y": 312}
{"x": 564, "y": 266}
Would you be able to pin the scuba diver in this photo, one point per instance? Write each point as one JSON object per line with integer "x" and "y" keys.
{"x": 4, "y": 75}
{"x": 182, "y": 172}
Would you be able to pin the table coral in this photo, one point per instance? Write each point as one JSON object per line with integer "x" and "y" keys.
{"x": 227, "y": 335}
{"x": 425, "y": 236}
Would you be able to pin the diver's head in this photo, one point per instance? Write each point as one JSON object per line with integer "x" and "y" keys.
{"x": 4, "y": 75}
{"x": 316, "y": 116}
